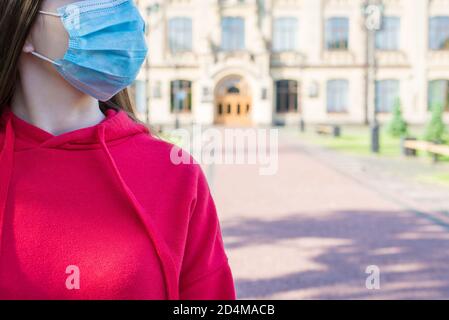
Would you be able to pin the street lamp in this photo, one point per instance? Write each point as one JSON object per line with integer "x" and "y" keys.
{"x": 150, "y": 9}
{"x": 373, "y": 11}
{"x": 180, "y": 96}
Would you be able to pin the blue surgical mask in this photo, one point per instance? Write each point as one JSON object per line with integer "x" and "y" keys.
{"x": 106, "y": 49}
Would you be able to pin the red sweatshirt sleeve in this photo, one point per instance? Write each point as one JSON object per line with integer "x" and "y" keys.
{"x": 205, "y": 272}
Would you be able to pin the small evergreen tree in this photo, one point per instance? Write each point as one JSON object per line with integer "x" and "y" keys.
{"x": 397, "y": 127}
{"x": 436, "y": 129}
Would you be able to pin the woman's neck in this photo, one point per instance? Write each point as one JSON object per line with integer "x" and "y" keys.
{"x": 47, "y": 101}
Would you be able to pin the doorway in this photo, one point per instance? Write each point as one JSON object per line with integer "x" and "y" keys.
{"x": 233, "y": 102}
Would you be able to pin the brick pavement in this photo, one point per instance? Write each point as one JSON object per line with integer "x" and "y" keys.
{"x": 310, "y": 231}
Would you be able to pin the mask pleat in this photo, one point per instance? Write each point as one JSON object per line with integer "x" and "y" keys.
{"x": 86, "y": 80}
{"x": 114, "y": 38}
{"x": 92, "y": 59}
{"x": 92, "y": 22}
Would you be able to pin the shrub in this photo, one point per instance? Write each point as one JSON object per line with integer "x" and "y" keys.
{"x": 397, "y": 127}
{"x": 436, "y": 129}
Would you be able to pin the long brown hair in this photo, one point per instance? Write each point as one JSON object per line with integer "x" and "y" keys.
{"x": 16, "y": 20}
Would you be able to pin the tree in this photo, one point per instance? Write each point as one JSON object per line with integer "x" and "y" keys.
{"x": 436, "y": 129}
{"x": 397, "y": 126}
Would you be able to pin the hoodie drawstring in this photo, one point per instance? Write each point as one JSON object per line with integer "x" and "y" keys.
{"x": 166, "y": 260}
{"x": 6, "y": 163}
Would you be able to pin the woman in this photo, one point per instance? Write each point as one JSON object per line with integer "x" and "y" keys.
{"x": 91, "y": 205}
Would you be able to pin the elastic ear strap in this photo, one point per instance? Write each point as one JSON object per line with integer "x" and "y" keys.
{"x": 45, "y": 58}
{"x": 50, "y": 14}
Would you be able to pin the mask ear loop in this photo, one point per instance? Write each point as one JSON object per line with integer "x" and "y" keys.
{"x": 45, "y": 58}
{"x": 39, "y": 55}
{"x": 51, "y": 14}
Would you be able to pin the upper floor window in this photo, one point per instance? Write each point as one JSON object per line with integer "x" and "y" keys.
{"x": 181, "y": 96}
{"x": 180, "y": 34}
{"x": 388, "y": 37}
{"x": 286, "y": 96}
{"x": 285, "y": 34}
{"x": 337, "y": 33}
{"x": 387, "y": 94}
{"x": 233, "y": 34}
{"x": 439, "y": 94}
{"x": 337, "y": 95}
{"x": 439, "y": 33}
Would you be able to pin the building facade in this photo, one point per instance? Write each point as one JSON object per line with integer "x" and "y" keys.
{"x": 264, "y": 62}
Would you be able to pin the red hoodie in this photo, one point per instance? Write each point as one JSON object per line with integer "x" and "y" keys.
{"x": 103, "y": 213}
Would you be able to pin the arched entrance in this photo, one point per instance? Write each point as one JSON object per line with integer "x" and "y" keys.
{"x": 233, "y": 103}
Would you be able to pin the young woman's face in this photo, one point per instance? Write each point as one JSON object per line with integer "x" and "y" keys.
{"x": 94, "y": 49}
{"x": 48, "y": 35}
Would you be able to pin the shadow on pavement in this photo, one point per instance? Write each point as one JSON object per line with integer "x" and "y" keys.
{"x": 411, "y": 252}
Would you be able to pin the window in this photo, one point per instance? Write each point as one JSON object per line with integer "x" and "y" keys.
{"x": 387, "y": 93}
{"x": 285, "y": 34}
{"x": 388, "y": 37}
{"x": 286, "y": 96}
{"x": 232, "y": 34}
{"x": 439, "y": 94}
{"x": 180, "y": 34}
{"x": 439, "y": 33}
{"x": 337, "y": 95}
{"x": 181, "y": 96}
{"x": 337, "y": 34}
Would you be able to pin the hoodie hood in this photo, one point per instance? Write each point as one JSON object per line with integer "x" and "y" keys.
{"x": 18, "y": 135}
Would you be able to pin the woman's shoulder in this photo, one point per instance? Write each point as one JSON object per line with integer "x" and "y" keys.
{"x": 166, "y": 156}
{"x": 159, "y": 162}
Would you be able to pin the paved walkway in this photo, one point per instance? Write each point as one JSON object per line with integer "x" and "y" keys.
{"x": 310, "y": 231}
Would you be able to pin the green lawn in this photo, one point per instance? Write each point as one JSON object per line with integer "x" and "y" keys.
{"x": 356, "y": 141}
{"x": 436, "y": 178}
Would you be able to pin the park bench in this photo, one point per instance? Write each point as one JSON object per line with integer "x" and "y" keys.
{"x": 329, "y": 129}
{"x": 411, "y": 146}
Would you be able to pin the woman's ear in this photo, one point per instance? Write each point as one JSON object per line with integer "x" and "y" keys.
{"x": 28, "y": 47}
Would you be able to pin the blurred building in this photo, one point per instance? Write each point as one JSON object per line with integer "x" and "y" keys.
{"x": 261, "y": 62}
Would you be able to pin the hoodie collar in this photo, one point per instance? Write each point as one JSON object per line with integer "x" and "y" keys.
{"x": 117, "y": 127}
